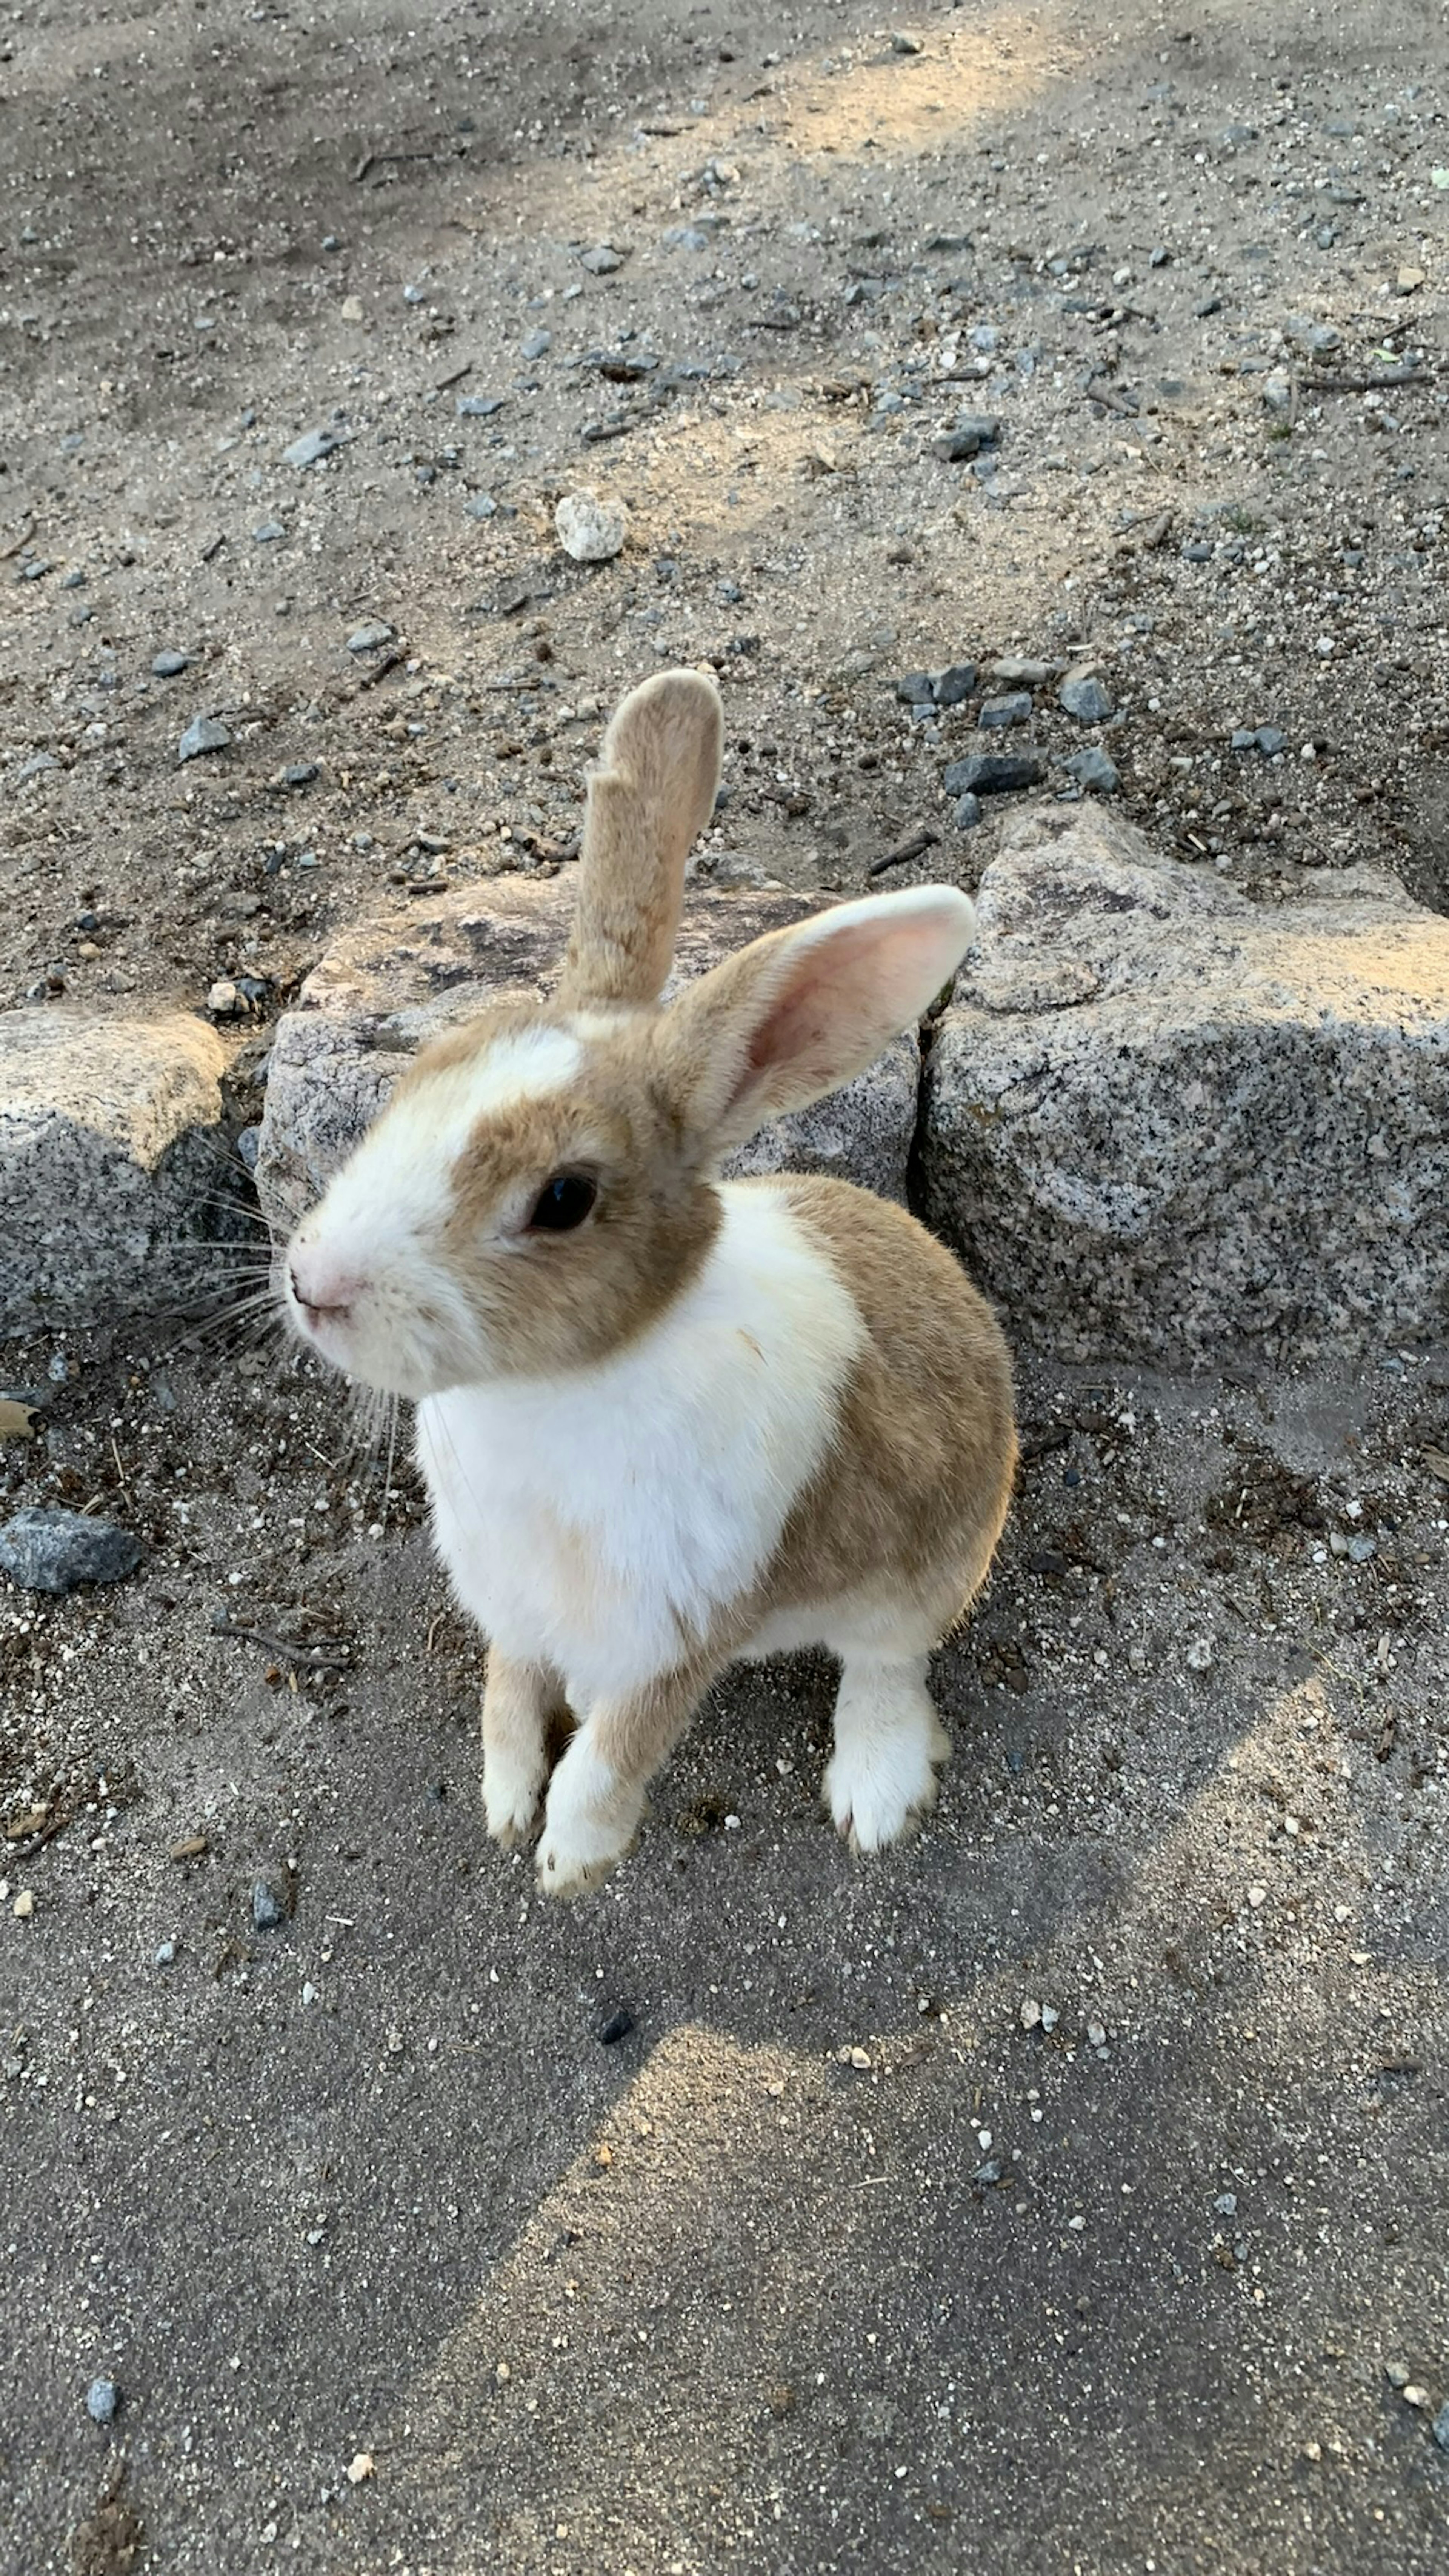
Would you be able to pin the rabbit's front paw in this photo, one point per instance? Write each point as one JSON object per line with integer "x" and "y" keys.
{"x": 589, "y": 1825}
{"x": 881, "y": 1780}
{"x": 511, "y": 1796}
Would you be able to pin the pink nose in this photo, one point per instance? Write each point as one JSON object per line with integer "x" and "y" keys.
{"x": 324, "y": 1293}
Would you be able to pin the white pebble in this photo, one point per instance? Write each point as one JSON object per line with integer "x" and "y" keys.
{"x": 591, "y": 530}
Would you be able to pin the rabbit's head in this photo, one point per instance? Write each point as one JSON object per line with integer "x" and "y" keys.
{"x": 539, "y": 1187}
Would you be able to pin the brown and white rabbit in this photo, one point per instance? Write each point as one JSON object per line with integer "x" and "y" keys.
{"x": 667, "y": 1420}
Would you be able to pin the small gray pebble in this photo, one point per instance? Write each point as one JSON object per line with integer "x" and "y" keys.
{"x": 481, "y": 505}
{"x": 1269, "y": 740}
{"x": 75, "y": 580}
{"x": 164, "y": 1954}
{"x": 202, "y": 735}
{"x": 992, "y": 773}
{"x": 248, "y": 1146}
{"x": 270, "y": 533}
{"x": 368, "y": 638}
{"x": 1093, "y": 771}
{"x": 313, "y": 445}
{"x": 602, "y": 261}
{"x": 169, "y": 666}
{"x": 269, "y": 1905}
{"x": 952, "y": 686}
{"x": 300, "y": 773}
{"x": 972, "y": 432}
{"x": 102, "y": 2399}
{"x": 47, "y": 1549}
{"x": 966, "y": 812}
{"x": 997, "y": 713}
{"x": 1198, "y": 552}
{"x": 1084, "y": 697}
{"x": 914, "y": 688}
{"x": 1440, "y": 2428}
{"x": 537, "y": 345}
{"x": 479, "y": 406}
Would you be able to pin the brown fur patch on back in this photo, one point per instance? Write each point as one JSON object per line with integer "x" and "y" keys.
{"x": 915, "y": 1491}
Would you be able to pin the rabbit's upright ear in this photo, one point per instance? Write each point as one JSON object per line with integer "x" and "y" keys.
{"x": 651, "y": 795}
{"x": 797, "y": 1013}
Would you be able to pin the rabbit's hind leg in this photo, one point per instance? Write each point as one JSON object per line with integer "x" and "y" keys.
{"x": 881, "y": 1778}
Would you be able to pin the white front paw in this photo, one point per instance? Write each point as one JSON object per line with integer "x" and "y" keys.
{"x": 878, "y": 1789}
{"x": 512, "y": 1791}
{"x": 589, "y": 1824}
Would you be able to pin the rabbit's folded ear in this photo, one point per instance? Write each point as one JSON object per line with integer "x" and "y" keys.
{"x": 797, "y": 1013}
{"x": 651, "y": 795}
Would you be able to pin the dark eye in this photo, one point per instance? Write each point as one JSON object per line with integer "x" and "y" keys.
{"x": 562, "y": 1203}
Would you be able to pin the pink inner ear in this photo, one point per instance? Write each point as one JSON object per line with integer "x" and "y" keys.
{"x": 840, "y": 998}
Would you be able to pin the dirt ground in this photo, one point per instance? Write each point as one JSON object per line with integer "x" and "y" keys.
{"x": 1065, "y": 2192}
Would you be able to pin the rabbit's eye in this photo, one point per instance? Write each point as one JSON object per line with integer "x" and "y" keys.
{"x": 562, "y": 1203}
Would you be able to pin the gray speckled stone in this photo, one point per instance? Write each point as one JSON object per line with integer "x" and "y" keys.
{"x": 387, "y": 987}
{"x": 48, "y": 1549}
{"x": 1161, "y": 1119}
{"x": 111, "y": 1146}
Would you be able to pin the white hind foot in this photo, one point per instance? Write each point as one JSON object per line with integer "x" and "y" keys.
{"x": 881, "y": 1779}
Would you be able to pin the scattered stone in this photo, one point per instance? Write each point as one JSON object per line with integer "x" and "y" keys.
{"x": 479, "y": 406}
{"x": 202, "y": 735}
{"x": 1397, "y": 2374}
{"x": 1161, "y": 1118}
{"x": 24, "y": 1905}
{"x": 386, "y": 987}
{"x": 102, "y": 2399}
{"x": 271, "y": 1904}
{"x": 1277, "y": 392}
{"x": 1415, "y": 2396}
{"x": 1096, "y": 2035}
{"x": 903, "y": 44}
{"x": 1030, "y": 2015}
{"x": 992, "y": 773}
{"x": 270, "y": 533}
{"x": 966, "y": 812}
{"x": 1010, "y": 672}
{"x": 360, "y": 2467}
{"x": 111, "y": 1148}
{"x": 164, "y": 1955}
{"x": 313, "y": 445}
{"x": 1316, "y": 339}
{"x": 951, "y": 687}
{"x": 537, "y": 344}
{"x": 48, "y": 1549}
{"x": 223, "y": 1000}
{"x": 367, "y": 638}
{"x": 169, "y": 666}
{"x": 995, "y": 714}
{"x": 1049, "y": 2016}
{"x": 352, "y": 309}
{"x": 1084, "y": 697}
{"x": 617, "y": 2027}
{"x": 915, "y": 689}
{"x": 1267, "y": 739}
{"x": 972, "y": 432}
{"x": 601, "y": 261}
{"x": 300, "y": 773}
{"x": 36, "y": 766}
{"x": 1094, "y": 773}
{"x": 590, "y": 529}
{"x": 1440, "y": 2428}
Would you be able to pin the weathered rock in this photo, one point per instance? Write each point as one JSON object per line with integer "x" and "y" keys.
{"x": 383, "y": 990}
{"x": 590, "y": 529}
{"x": 1161, "y": 1119}
{"x": 52, "y": 1550}
{"x": 111, "y": 1148}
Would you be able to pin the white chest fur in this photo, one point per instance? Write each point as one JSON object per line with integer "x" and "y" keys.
{"x": 598, "y": 1521}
